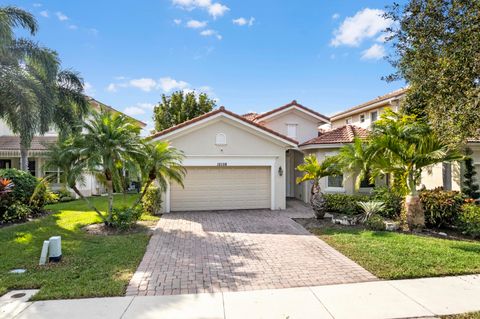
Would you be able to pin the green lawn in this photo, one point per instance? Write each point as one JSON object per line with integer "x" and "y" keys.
{"x": 92, "y": 265}
{"x": 470, "y": 315}
{"x": 390, "y": 255}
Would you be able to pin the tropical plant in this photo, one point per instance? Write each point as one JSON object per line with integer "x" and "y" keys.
{"x": 470, "y": 186}
{"x": 6, "y": 186}
{"x": 67, "y": 156}
{"x": 160, "y": 163}
{"x": 404, "y": 146}
{"x": 354, "y": 160}
{"x": 313, "y": 171}
{"x": 34, "y": 93}
{"x": 180, "y": 107}
{"x": 436, "y": 53}
{"x": 370, "y": 208}
{"x": 110, "y": 142}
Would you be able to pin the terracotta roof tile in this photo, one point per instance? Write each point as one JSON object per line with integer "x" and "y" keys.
{"x": 38, "y": 143}
{"x": 293, "y": 103}
{"x": 250, "y": 116}
{"x": 384, "y": 97}
{"x": 221, "y": 110}
{"x": 344, "y": 134}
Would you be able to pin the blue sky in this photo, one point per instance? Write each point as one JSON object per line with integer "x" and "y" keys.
{"x": 250, "y": 55}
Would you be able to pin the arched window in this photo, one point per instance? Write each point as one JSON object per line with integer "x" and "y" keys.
{"x": 221, "y": 139}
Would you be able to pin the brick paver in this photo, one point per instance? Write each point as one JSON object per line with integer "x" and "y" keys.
{"x": 201, "y": 252}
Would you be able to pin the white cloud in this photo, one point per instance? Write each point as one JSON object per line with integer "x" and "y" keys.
{"x": 73, "y": 27}
{"x": 214, "y": 9}
{"x": 177, "y": 21}
{"x": 146, "y": 106}
{"x": 144, "y": 84}
{"x": 93, "y": 31}
{"x": 242, "y": 21}
{"x": 88, "y": 88}
{"x": 134, "y": 110}
{"x": 195, "y": 24}
{"x": 168, "y": 84}
{"x": 365, "y": 24}
{"x": 375, "y": 52}
{"x": 61, "y": 16}
{"x": 37, "y": 5}
{"x": 44, "y": 14}
{"x": 210, "y": 32}
{"x": 120, "y": 77}
{"x": 217, "y": 10}
{"x": 112, "y": 87}
{"x": 335, "y": 16}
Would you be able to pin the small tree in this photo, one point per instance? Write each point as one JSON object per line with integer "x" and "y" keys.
{"x": 314, "y": 171}
{"x": 180, "y": 107}
{"x": 470, "y": 187}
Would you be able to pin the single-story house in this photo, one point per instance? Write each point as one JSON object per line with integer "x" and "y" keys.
{"x": 248, "y": 161}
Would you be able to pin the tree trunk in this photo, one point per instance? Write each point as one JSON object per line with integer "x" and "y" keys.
{"x": 23, "y": 158}
{"x": 145, "y": 189}
{"x": 110, "y": 199}
{"x": 413, "y": 215}
{"x": 317, "y": 201}
{"x": 75, "y": 189}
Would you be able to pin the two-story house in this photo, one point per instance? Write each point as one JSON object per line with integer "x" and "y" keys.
{"x": 249, "y": 161}
{"x": 10, "y": 153}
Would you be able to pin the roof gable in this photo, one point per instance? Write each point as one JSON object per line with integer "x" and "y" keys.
{"x": 288, "y": 107}
{"x": 223, "y": 112}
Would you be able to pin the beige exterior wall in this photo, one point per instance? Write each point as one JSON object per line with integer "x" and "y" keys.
{"x": 306, "y": 124}
{"x": 244, "y": 147}
{"x": 355, "y": 117}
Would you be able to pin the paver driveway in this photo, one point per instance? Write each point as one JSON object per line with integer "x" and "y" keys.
{"x": 198, "y": 252}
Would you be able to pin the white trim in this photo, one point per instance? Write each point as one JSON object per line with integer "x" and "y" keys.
{"x": 315, "y": 146}
{"x": 335, "y": 189}
{"x": 239, "y": 160}
{"x": 223, "y": 114}
{"x": 262, "y": 118}
{"x": 366, "y": 108}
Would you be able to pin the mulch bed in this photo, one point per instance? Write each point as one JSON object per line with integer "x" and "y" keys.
{"x": 103, "y": 230}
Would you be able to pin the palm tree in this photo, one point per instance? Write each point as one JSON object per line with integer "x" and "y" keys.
{"x": 110, "y": 142}
{"x": 404, "y": 146}
{"x": 314, "y": 171}
{"x": 355, "y": 160}
{"x": 65, "y": 155}
{"x": 34, "y": 92}
{"x": 162, "y": 164}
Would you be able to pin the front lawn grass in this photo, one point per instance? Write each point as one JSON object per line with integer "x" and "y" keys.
{"x": 390, "y": 255}
{"x": 92, "y": 265}
{"x": 469, "y": 315}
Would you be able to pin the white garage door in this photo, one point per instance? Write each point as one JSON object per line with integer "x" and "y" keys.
{"x": 217, "y": 188}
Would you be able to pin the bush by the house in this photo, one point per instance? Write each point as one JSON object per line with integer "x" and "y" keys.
{"x": 441, "y": 207}
{"x": 42, "y": 196}
{"x": 14, "y": 212}
{"x": 344, "y": 203}
{"x": 152, "y": 201}
{"x": 375, "y": 222}
{"x": 24, "y": 184}
{"x": 124, "y": 218}
{"x": 469, "y": 220}
{"x": 392, "y": 202}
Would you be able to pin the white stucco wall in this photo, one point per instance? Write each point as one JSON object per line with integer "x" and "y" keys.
{"x": 306, "y": 124}
{"x": 245, "y": 147}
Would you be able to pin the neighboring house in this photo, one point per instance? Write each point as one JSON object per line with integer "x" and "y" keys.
{"x": 10, "y": 154}
{"x": 249, "y": 161}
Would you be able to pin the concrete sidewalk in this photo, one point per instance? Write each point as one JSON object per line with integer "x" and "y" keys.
{"x": 427, "y": 297}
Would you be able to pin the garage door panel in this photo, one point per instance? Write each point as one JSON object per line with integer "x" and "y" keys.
{"x": 216, "y": 188}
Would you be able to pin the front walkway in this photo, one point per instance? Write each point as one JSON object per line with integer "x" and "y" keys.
{"x": 202, "y": 252}
{"x": 412, "y": 298}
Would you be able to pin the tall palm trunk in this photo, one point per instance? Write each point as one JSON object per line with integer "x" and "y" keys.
{"x": 317, "y": 201}
{"x": 145, "y": 189}
{"x": 110, "y": 199}
{"x": 23, "y": 158}
{"x": 413, "y": 215}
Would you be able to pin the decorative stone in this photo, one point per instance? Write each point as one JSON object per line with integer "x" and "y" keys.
{"x": 345, "y": 220}
{"x": 18, "y": 271}
{"x": 443, "y": 234}
{"x": 391, "y": 226}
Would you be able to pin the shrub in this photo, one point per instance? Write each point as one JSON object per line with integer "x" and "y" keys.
{"x": 375, "y": 222}
{"x": 469, "y": 219}
{"x": 392, "y": 200}
{"x": 441, "y": 207}
{"x": 24, "y": 184}
{"x": 42, "y": 196}
{"x": 152, "y": 201}
{"x": 345, "y": 204}
{"x": 16, "y": 211}
{"x": 370, "y": 208}
{"x": 124, "y": 218}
